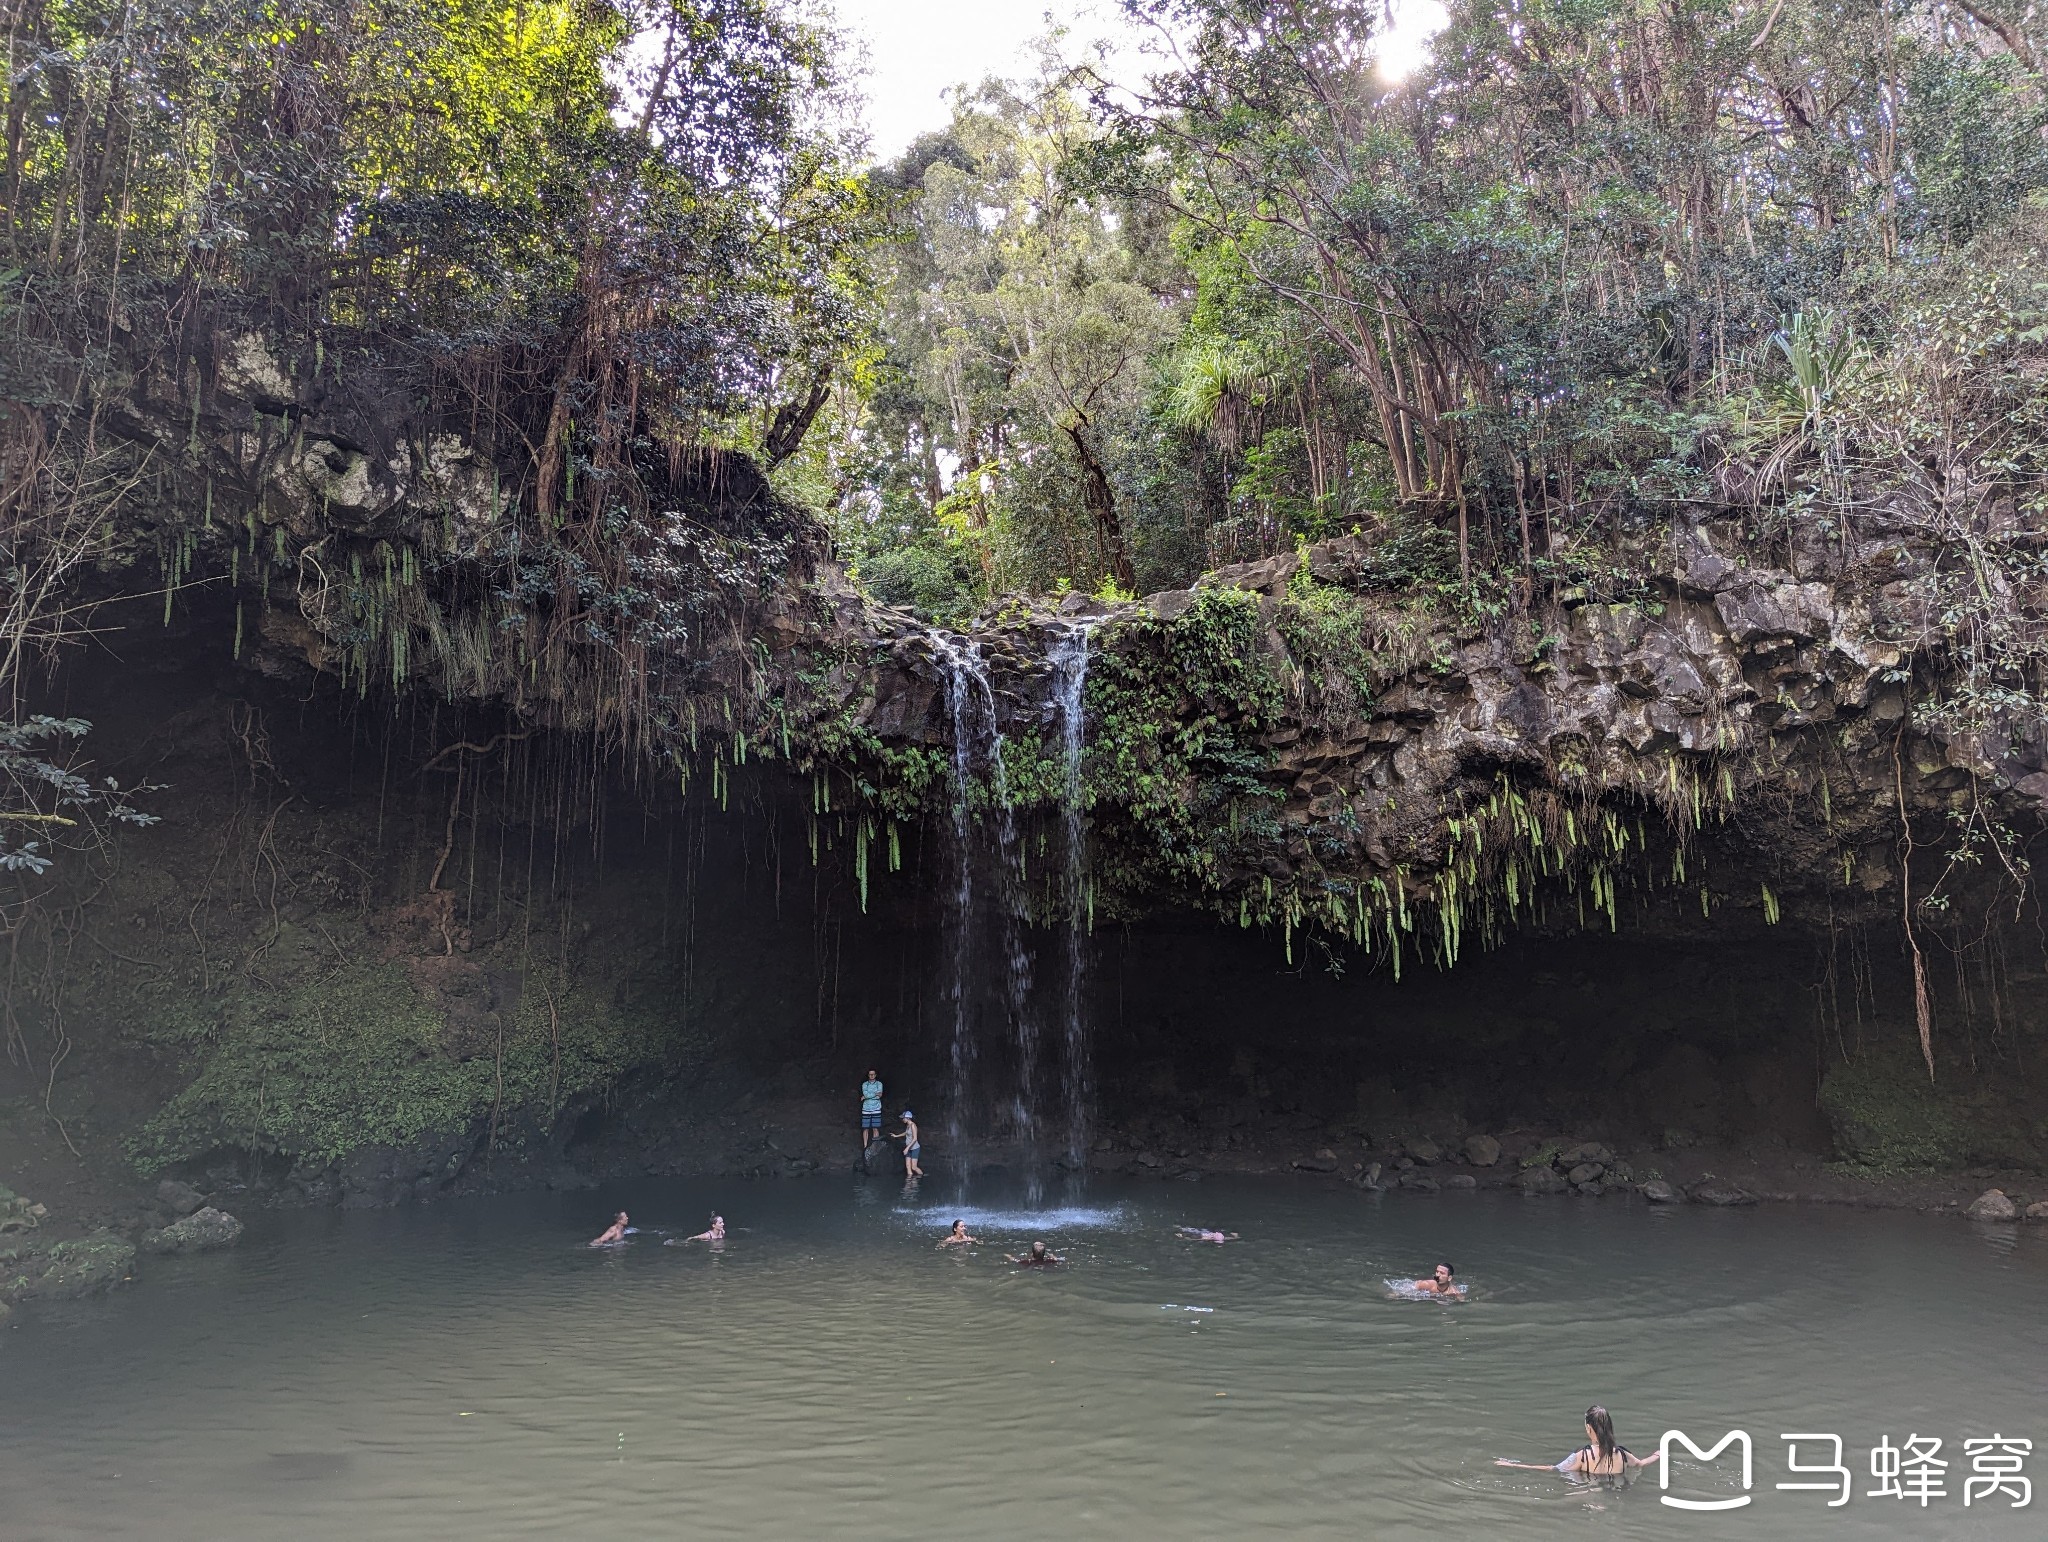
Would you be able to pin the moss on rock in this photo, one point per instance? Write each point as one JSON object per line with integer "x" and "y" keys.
{"x": 1887, "y": 1116}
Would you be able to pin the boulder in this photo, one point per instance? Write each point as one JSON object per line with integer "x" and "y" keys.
{"x": 1482, "y": 1150}
{"x": 1658, "y": 1192}
{"x": 1421, "y": 1182}
{"x": 1541, "y": 1180}
{"x": 1585, "y": 1172}
{"x": 1424, "y": 1150}
{"x": 1592, "y": 1189}
{"x": 1591, "y": 1151}
{"x": 178, "y": 1197}
{"x": 1461, "y": 1181}
{"x": 200, "y": 1232}
{"x": 1993, "y": 1205}
{"x": 18, "y": 1214}
{"x": 2038, "y": 1210}
{"x": 84, "y": 1267}
{"x": 1712, "y": 1191}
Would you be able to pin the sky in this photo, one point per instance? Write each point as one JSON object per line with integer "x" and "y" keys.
{"x": 919, "y": 49}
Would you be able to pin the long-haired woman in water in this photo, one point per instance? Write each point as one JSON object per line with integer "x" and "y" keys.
{"x": 1602, "y": 1456}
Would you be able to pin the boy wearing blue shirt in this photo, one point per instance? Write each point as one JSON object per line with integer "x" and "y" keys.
{"x": 870, "y": 1110}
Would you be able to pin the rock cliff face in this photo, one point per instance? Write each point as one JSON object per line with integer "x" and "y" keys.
{"x": 408, "y": 723}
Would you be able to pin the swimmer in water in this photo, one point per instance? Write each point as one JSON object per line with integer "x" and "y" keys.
{"x": 716, "y": 1233}
{"x": 1441, "y": 1284}
{"x": 616, "y": 1232}
{"x": 1203, "y": 1234}
{"x": 1602, "y": 1456}
{"x": 957, "y": 1237}
{"x": 1040, "y": 1257}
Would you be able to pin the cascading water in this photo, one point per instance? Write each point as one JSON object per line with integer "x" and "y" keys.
{"x": 978, "y": 744}
{"x": 987, "y": 910}
{"x": 1069, "y": 658}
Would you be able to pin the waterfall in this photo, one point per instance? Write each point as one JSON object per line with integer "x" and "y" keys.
{"x": 1069, "y": 659}
{"x": 978, "y": 746}
{"x": 1006, "y": 1081}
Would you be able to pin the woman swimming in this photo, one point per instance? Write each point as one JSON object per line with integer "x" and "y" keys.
{"x": 1602, "y": 1456}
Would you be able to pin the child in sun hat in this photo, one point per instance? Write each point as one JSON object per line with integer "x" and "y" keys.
{"x": 911, "y": 1145}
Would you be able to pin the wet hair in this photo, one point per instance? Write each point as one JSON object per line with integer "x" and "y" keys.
{"x": 1601, "y": 1423}
{"x": 1447, "y": 1269}
{"x": 1038, "y": 1247}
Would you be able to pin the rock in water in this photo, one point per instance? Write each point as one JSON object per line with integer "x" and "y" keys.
{"x": 200, "y": 1232}
{"x": 1993, "y": 1205}
{"x": 1541, "y": 1180}
{"x": 179, "y": 1198}
{"x": 1461, "y": 1181}
{"x": 80, "y": 1268}
{"x": 2038, "y": 1210}
{"x": 1658, "y": 1192}
{"x": 1482, "y": 1150}
{"x": 1715, "y": 1193}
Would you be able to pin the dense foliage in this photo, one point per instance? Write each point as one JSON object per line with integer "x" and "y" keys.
{"x": 1510, "y": 312}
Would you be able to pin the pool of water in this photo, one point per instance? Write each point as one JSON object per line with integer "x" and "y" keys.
{"x": 472, "y": 1370}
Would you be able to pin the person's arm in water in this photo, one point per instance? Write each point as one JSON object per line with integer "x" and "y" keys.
{"x": 1569, "y": 1464}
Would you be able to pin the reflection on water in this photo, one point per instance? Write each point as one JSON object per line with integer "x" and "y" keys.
{"x": 474, "y": 1371}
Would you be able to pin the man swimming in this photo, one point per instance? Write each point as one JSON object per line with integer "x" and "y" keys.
{"x": 1040, "y": 1257}
{"x": 957, "y": 1237}
{"x": 1441, "y": 1283}
{"x": 616, "y": 1232}
{"x": 1203, "y": 1234}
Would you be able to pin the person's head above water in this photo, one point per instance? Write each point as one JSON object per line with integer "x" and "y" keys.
{"x": 1444, "y": 1273}
{"x": 959, "y": 1226}
{"x": 620, "y": 1218}
{"x": 1600, "y": 1432}
{"x": 1038, "y": 1250}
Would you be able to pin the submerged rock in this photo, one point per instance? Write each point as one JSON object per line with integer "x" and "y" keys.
{"x": 200, "y": 1232}
{"x": 1993, "y": 1205}
{"x": 1482, "y": 1150}
{"x": 1712, "y": 1192}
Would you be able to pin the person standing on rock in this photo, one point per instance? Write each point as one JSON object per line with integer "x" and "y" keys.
{"x": 912, "y": 1147}
{"x": 870, "y": 1110}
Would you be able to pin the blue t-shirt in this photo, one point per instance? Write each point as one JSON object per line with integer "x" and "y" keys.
{"x": 871, "y": 1097}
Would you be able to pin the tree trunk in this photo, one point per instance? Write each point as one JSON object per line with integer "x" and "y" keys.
{"x": 1100, "y": 500}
